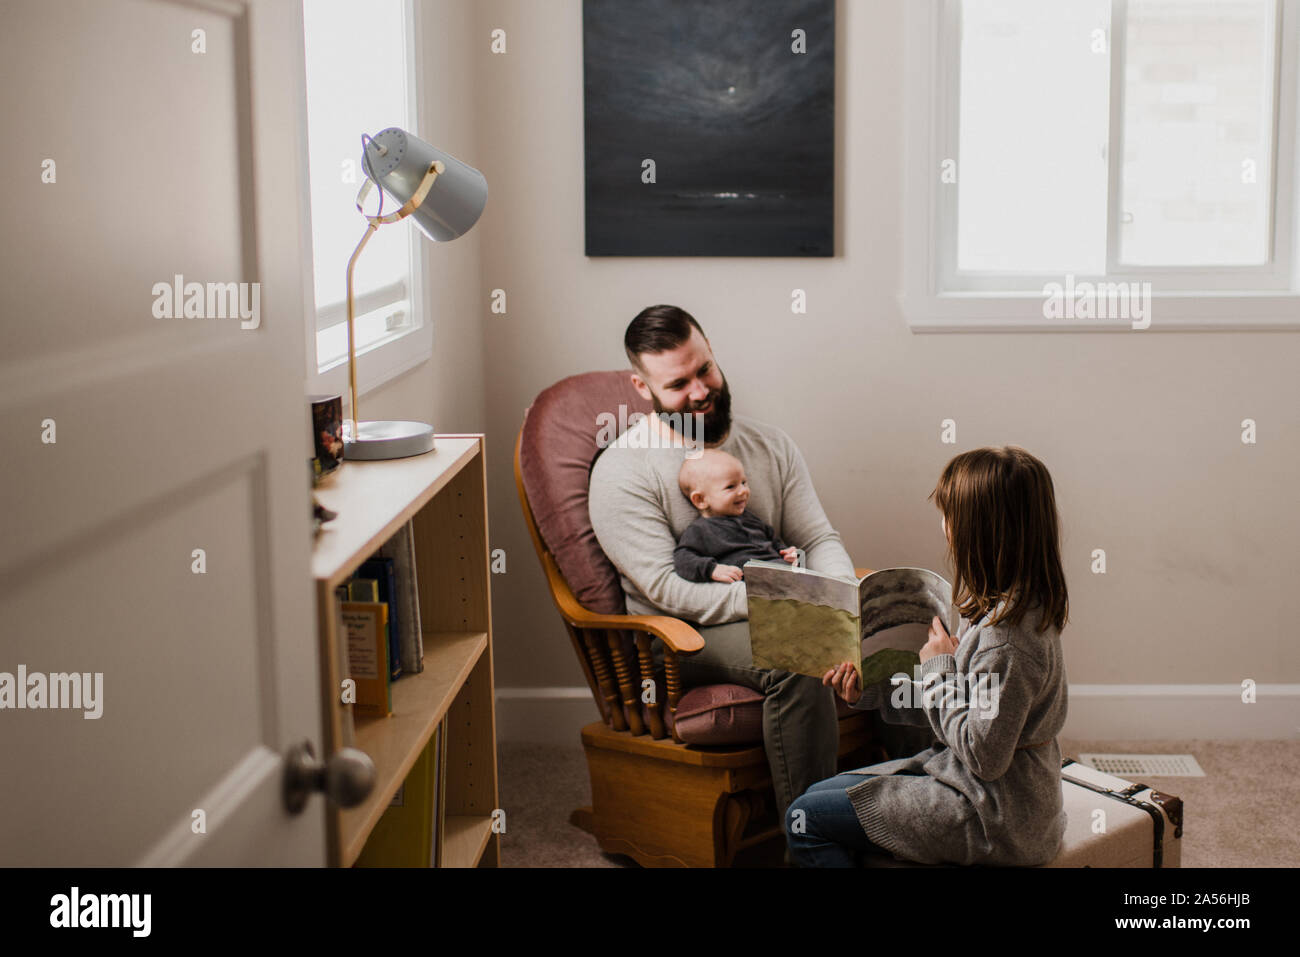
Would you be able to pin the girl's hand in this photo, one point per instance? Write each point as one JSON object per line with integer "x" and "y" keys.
{"x": 940, "y": 643}
{"x": 844, "y": 679}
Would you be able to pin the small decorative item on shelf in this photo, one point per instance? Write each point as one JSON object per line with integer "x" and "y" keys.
{"x": 320, "y": 515}
{"x": 327, "y": 435}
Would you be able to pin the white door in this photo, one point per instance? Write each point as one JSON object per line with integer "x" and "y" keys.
{"x": 145, "y": 141}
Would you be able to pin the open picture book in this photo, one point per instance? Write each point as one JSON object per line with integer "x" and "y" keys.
{"x": 808, "y": 622}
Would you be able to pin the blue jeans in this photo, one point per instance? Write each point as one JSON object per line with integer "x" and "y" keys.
{"x": 823, "y": 830}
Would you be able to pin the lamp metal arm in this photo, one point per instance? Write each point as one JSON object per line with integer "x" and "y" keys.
{"x": 374, "y": 222}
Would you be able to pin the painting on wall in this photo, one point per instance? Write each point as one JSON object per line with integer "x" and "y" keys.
{"x": 710, "y": 127}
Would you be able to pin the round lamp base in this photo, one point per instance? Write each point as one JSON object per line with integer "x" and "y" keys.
{"x": 376, "y": 441}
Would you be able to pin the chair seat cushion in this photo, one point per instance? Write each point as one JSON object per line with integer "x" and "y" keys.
{"x": 722, "y": 714}
{"x": 714, "y": 715}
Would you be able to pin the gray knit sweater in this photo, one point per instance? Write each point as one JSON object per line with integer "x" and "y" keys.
{"x": 990, "y": 791}
{"x": 639, "y": 513}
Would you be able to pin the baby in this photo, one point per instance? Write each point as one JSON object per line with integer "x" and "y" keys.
{"x": 725, "y": 536}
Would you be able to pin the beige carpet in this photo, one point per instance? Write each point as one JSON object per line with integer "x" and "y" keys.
{"x": 1244, "y": 813}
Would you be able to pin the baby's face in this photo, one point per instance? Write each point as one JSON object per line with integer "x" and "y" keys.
{"x": 726, "y": 491}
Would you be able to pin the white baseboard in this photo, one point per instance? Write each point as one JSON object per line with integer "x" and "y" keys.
{"x": 544, "y": 715}
{"x": 1213, "y": 712}
{"x": 1096, "y": 712}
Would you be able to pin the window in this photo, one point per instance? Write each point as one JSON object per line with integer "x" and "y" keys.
{"x": 360, "y": 66}
{"x": 1143, "y": 144}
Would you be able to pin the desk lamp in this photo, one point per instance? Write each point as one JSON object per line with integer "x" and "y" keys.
{"x": 445, "y": 197}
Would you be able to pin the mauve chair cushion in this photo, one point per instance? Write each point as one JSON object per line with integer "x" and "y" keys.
{"x": 723, "y": 714}
{"x": 713, "y": 715}
{"x": 556, "y": 452}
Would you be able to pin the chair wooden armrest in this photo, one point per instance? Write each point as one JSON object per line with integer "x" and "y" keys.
{"x": 677, "y": 635}
{"x": 680, "y": 637}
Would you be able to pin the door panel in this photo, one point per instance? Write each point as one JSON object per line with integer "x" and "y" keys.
{"x": 172, "y": 434}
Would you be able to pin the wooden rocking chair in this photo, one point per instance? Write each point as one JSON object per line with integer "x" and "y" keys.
{"x": 655, "y": 797}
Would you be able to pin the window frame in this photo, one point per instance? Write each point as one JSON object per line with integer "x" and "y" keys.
{"x": 383, "y": 359}
{"x": 937, "y": 298}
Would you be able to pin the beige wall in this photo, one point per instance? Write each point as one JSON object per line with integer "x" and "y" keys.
{"x": 1140, "y": 430}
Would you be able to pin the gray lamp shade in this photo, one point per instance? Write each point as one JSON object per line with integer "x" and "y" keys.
{"x": 457, "y": 198}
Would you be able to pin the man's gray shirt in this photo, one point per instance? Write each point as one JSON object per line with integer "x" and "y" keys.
{"x": 639, "y": 513}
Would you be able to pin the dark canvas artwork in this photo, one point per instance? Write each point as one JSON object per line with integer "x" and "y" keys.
{"x": 740, "y": 127}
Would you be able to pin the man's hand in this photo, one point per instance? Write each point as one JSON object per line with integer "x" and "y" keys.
{"x": 727, "y": 573}
{"x": 790, "y": 554}
{"x": 940, "y": 643}
{"x": 844, "y": 679}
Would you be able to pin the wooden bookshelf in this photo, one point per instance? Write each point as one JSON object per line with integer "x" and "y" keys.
{"x": 444, "y": 494}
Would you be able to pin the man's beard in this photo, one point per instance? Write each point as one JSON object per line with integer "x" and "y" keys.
{"x": 716, "y": 422}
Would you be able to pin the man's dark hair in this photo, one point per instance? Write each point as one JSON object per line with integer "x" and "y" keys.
{"x": 657, "y": 329}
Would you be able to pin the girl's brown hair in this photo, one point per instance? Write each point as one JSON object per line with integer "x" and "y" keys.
{"x": 1000, "y": 509}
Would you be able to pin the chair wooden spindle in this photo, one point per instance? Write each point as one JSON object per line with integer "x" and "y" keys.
{"x": 600, "y": 665}
{"x": 623, "y": 673}
{"x": 656, "y": 708}
{"x": 673, "y": 679}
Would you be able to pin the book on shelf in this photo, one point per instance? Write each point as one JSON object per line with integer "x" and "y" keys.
{"x": 366, "y": 634}
{"x": 380, "y": 570}
{"x": 438, "y": 750}
{"x": 362, "y": 589}
{"x": 410, "y": 639}
{"x": 808, "y": 622}
{"x": 346, "y": 721}
{"x": 403, "y": 836}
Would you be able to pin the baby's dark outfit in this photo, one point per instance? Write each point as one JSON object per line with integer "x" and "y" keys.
{"x": 724, "y": 540}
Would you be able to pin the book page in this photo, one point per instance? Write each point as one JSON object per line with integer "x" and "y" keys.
{"x": 894, "y": 597}
{"x": 801, "y": 621}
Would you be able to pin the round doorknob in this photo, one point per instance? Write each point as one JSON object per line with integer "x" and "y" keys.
{"x": 347, "y": 778}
